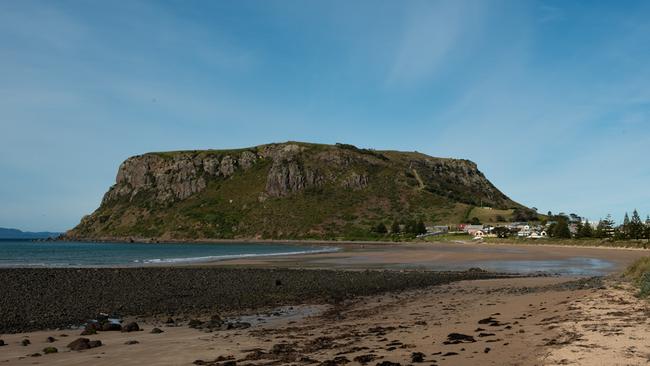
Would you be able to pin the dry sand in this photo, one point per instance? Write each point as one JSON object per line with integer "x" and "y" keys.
{"x": 539, "y": 323}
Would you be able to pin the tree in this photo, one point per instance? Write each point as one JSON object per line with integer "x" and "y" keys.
{"x": 579, "y": 228}
{"x": 420, "y": 228}
{"x": 575, "y": 218}
{"x": 500, "y": 218}
{"x": 409, "y": 226}
{"x": 475, "y": 221}
{"x": 586, "y": 231}
{"x": 394, "y": 228}
{"x": 380, "y": 228}
{"x": 635, "y": 227}
{"x": 524, "y": 214}
{"x": 561, "y": 229}
{"x": 549, "y": 214}
{"x": 625, "y": 232}
{"x": 501, "y": 232}
{"x": 605, "y": 228}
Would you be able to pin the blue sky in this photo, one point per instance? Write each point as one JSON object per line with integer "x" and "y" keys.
{"x": 550, "y": 98}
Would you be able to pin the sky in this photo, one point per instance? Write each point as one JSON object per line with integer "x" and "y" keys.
{"x": 550, "y": 98}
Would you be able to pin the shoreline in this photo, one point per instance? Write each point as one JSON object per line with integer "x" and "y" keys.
{"x": 432, "y": 256}
{"x": 538, "y": 242}
{"x": 60, "y": 297}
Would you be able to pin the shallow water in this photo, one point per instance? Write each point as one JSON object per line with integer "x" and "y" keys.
{"x": 574, "y": 266}
{"x": 17, "y": 253}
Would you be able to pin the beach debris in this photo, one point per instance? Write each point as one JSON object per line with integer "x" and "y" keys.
{"x": 364, "y": 359}
{"x": 487, "y": 350}
{"x": 131, "y": 342}
{"x": 450, "y": 354}
{"x": 338, "y": 360}
{"x": 389, "y": 363}
{"x": 131, "y": 327}
{"x": 482, "y": 334}
{"x": 156, "y": 331}
{"x": 219, "y": 361}
{"x": 2, "y": 343}
{"x": 48, "y": 350}
{"x": 25, "y": 342}
{"x": 35, "y": 355}
{"x": 456, "y": 338}
{"x": 283, "y": 348}
{"x": 81, "y": 344}
{"x": 319, "y": 344}
{"x": 236, "y": 325}
{"x": 417, "y": 357}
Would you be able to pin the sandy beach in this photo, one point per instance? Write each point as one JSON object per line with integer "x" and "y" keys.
{"x": 397, "y": 312}
{"x": 446, "y": 256}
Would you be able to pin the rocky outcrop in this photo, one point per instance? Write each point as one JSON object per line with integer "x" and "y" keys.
{"x": 176, "y": 177}
{"x": 355, "y": 181}
{"x": 286, "y": 177}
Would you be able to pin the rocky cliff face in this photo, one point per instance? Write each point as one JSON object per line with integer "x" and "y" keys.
{"x": 281, "y": 190}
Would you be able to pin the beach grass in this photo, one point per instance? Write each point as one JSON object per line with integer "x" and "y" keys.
{"x": 639, "y": 272}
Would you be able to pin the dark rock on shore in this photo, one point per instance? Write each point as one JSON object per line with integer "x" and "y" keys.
{"x": 364, "y": 359}
{"x": 131, "y": 327}
{"x": 53, "y": 295}
{"x": 417, "y": 357}
{"x": 456, "y": 338}
{"x": 109, "y": 326}
{"x": 25, "y": 342}
{"x": 156, "y": 331}
{"x": 2, "y": 343}
{"x": 48, "y": 350}
{"x": 81, "y": 344}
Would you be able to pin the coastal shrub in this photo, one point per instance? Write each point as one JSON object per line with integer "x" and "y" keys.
{"x": 636, "y": 271}
{"x": 644, "y": 285}
{"x": 639, "y": 272}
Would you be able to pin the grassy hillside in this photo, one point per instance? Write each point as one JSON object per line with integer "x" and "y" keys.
{"x": 285, "y": 191}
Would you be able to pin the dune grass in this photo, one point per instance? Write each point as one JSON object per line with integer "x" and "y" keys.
{"x": 639, "y": 272}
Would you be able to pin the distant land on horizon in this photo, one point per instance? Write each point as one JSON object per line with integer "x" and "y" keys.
{"x": 291, "y": 190}
{"x": 8, "y": 233}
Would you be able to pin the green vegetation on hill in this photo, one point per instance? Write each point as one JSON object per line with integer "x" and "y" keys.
{"x": 287, "y": 191}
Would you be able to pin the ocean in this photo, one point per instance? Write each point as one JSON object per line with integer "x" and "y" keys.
{"x": 25, "y": 253}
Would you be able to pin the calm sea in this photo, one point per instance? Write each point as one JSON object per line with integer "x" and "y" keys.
{"x": 22, "y": 253}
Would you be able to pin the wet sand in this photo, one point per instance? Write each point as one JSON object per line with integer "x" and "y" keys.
{"x": 446, "y": 256}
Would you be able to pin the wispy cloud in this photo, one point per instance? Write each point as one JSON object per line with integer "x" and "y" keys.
{"x": 433, "y": 31}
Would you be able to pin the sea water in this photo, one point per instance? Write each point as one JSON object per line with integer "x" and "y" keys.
{"x": 25, "y": 253}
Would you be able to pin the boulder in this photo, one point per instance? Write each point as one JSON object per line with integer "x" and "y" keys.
{"x": 81, "y": 344}
{"x": 131, "y": 327}
{"x": 110, "y": 326}
{"x": 48, "y": 350}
